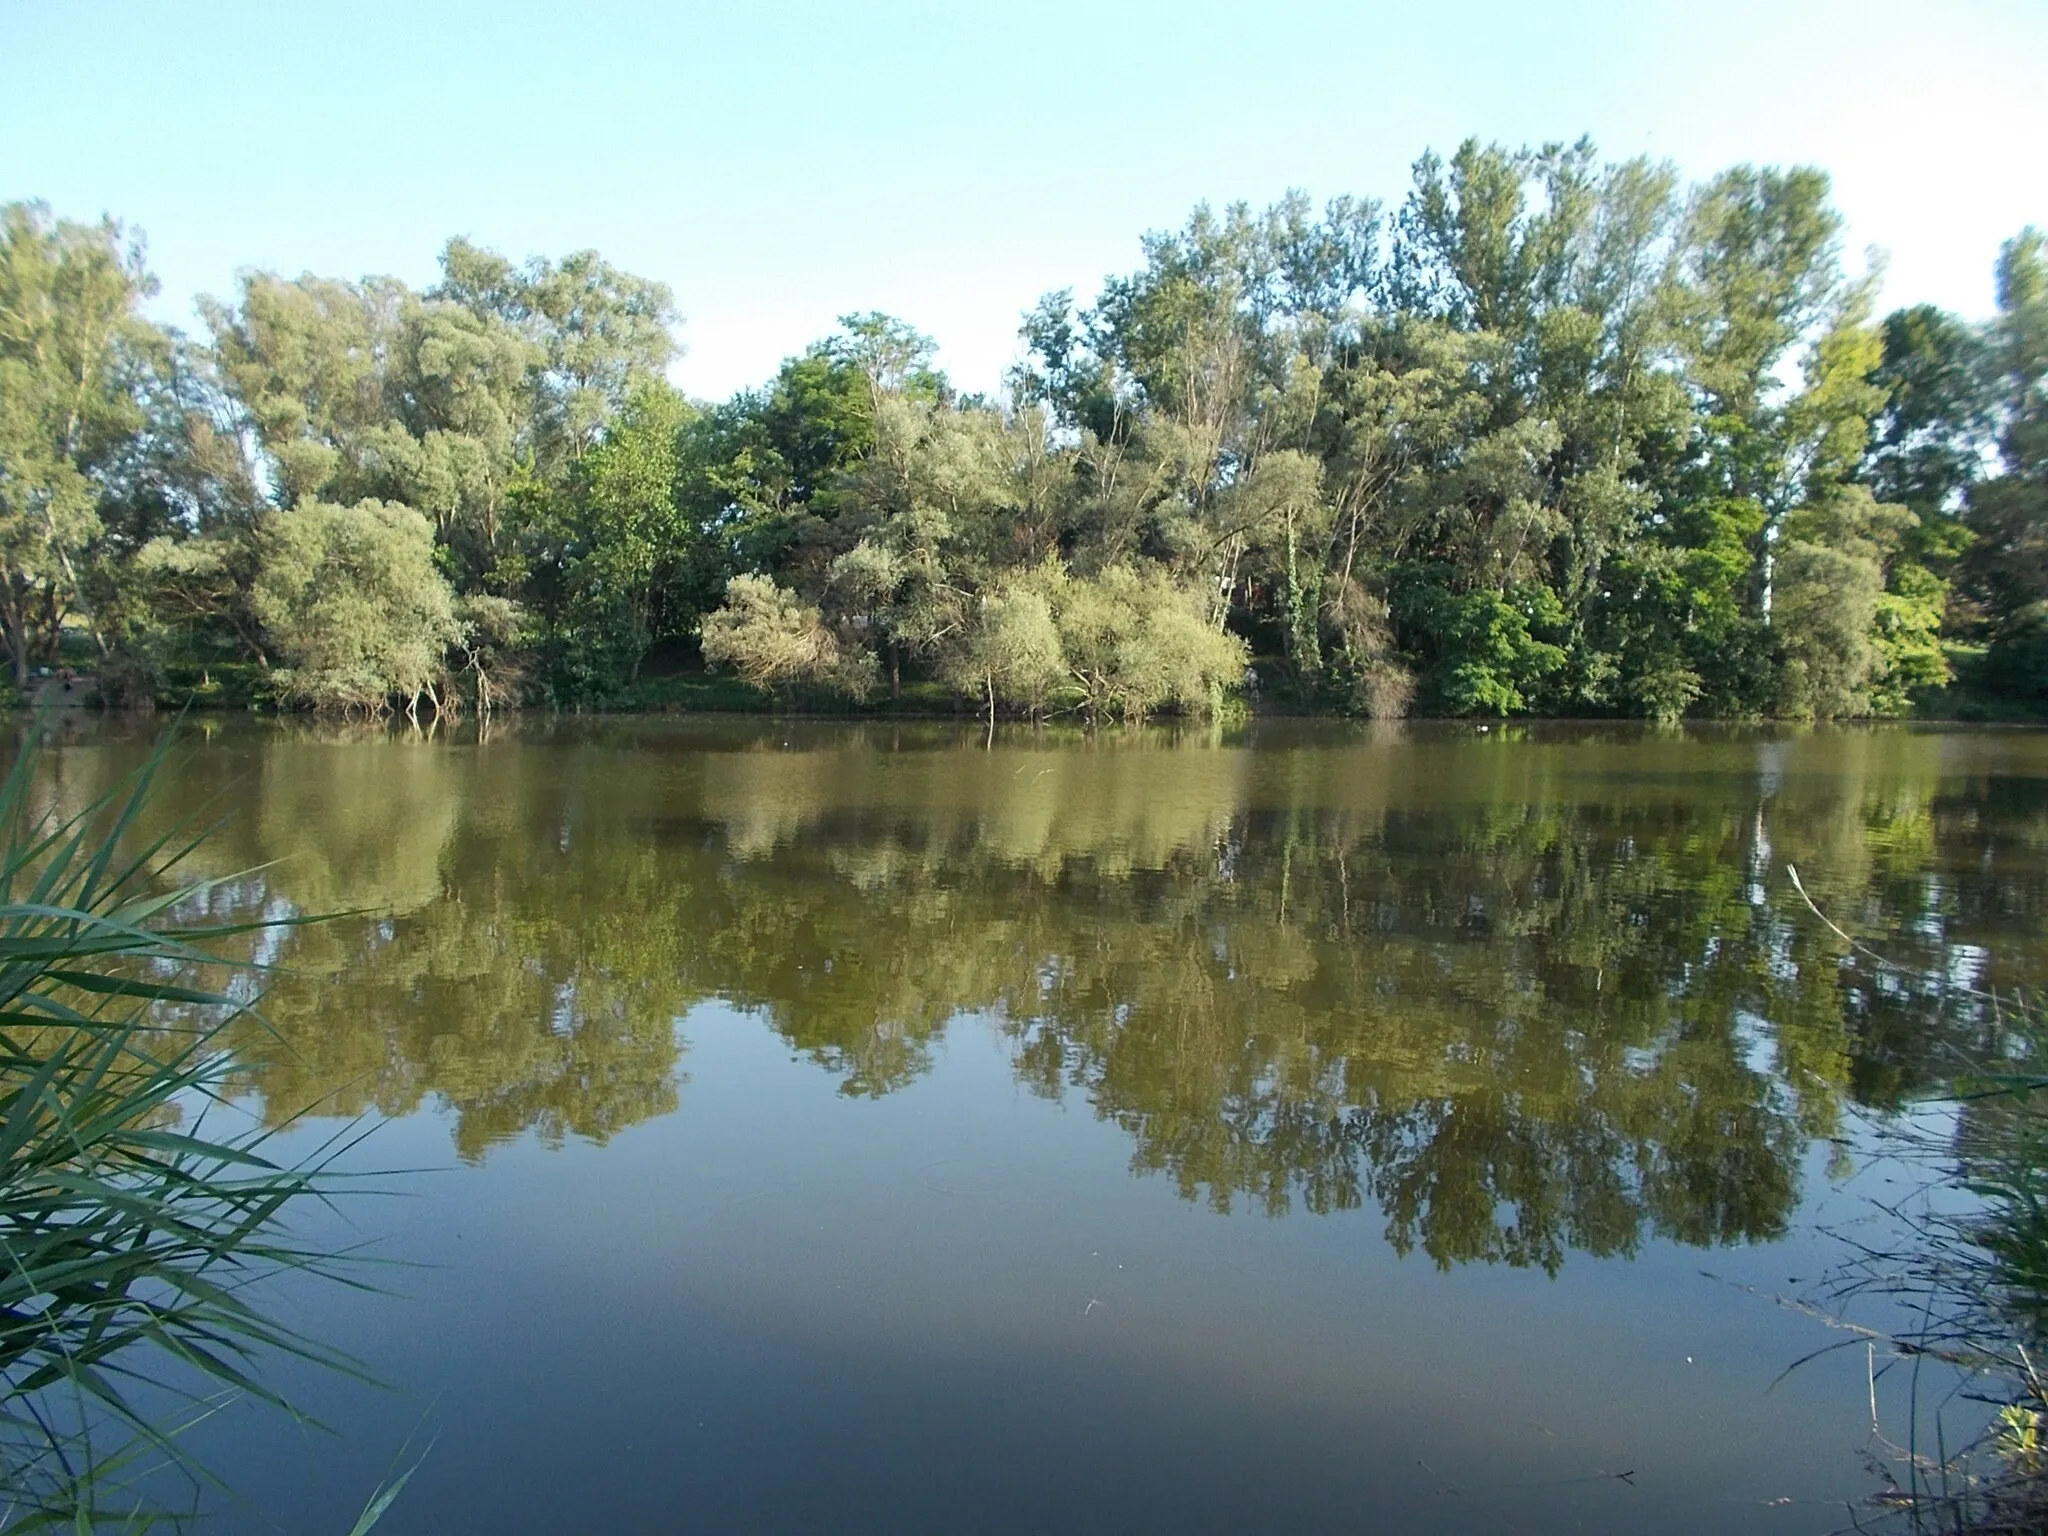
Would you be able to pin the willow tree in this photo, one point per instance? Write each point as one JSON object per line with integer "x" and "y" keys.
{"x": 1136, "y": 642}
{"x": 359, "y": 613}
{"x": 598, "y": 333}
{"x": 1010, "y": 651}
{"x": 354, "y": 390}
{"x": 773, "y": 639}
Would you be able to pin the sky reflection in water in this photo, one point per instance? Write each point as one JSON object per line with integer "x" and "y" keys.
{"x": 793, "y": 1074}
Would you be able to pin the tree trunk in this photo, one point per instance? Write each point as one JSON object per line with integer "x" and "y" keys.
{"x": 15, "y": 623}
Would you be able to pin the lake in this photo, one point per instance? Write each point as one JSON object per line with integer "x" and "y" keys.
{"x": 804, "y": 1126}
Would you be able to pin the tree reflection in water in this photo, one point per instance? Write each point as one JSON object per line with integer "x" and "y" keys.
{"x": 1526, "y": 992}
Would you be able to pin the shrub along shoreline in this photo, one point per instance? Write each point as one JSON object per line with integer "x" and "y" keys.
{"x": 243, "y": 687}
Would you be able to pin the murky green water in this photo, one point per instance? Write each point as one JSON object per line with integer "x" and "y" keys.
{"x": 862, "y": 1128}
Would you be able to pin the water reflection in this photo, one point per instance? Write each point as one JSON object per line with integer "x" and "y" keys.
{"x": 1524, "y": 993}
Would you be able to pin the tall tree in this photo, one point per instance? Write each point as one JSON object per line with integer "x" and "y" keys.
{"x": 2009, "y": 511}
{"x": 609, "y": 562}
{"x": 600, "y": 332}
{"x": 1552, "y": 434}
{"x": 73, "y": 350}
{"x": 366, "y": 389}
{"x": 1936, "y": 425}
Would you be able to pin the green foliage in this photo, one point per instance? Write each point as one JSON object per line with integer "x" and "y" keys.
{"x": 359, "y": 611}
{"x": 1830, "y": 583}
{"x": 1552, "y": 435}
{"x": 768, "y": 636}
{"x": 132, "y": 1226}
{"x": 610, "y": 564}
{"x": 1936, "y": 420}
{"x": 1910, "y": 662}
{"x": 366, "y": 390}
{"x": 1676, "y": 618}
{"x": 2008, "y": 564}
{"x": 1012, "y": 650}
{"x": 1758, "y": 257}
{"x": 1131, "y": 642}
{"x": 1487, "y": 658}
{"x": 2017, "y": 663}
{"x": 76, "y": 360}
{"x": 597, "y": 334}
{"x": 1827, "y": 601}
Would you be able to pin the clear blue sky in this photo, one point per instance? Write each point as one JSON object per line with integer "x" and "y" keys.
{"x": 779, "y": 164}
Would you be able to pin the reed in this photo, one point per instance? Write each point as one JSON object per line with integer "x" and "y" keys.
{"x": 137, "y": 1207}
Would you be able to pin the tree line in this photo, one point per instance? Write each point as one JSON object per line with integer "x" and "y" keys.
{"x": 1545, "y": 435}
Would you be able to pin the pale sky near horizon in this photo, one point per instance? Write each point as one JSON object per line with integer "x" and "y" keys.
{"x": 779, "y": 165}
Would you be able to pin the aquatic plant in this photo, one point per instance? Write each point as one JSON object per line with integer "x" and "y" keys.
{"x": 137, "y": 1207}
{"x": 1972, "y": 1274}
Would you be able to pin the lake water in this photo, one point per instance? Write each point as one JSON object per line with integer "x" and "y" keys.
{"x": 865, "y": 1128}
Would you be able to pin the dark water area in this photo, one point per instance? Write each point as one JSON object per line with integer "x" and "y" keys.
{"x": 828, "y": 1127}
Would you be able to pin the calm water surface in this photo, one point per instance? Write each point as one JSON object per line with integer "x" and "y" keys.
{"x": 861, "y": 1128}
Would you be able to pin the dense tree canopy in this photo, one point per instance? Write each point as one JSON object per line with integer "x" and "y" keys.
{"x": 1546, "y": 434}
